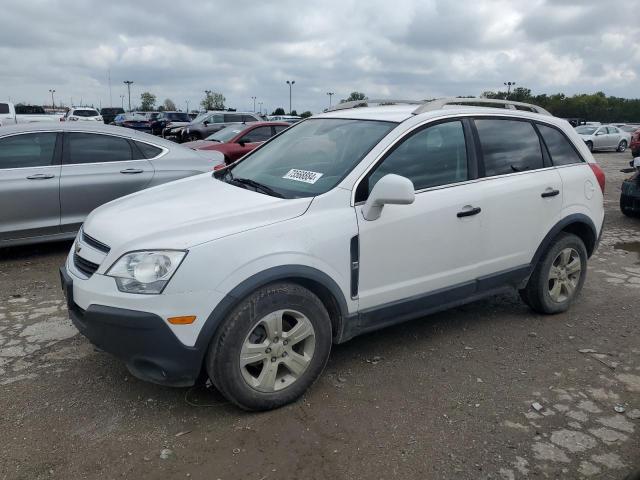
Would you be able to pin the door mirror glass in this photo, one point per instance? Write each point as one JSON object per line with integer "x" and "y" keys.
{"x": 391, "y": 189}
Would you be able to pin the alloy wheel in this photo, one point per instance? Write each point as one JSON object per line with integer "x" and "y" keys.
{"x": 564, "y": 275}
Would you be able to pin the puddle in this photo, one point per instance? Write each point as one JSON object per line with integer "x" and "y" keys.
{"x": 631, "y": 247}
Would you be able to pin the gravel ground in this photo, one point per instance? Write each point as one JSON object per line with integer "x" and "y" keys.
{"x": 488, "y": 390}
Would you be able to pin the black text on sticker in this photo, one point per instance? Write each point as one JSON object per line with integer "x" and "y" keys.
{"x": 302, "y": 175}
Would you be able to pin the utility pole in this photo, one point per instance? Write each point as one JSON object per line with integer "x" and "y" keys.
{"x": 290, "y": 83}
{"x": 187, "y": 102}
{"x": 254, "y": 104}
{"x": 508, "y": 85}
{"x": 129, "y": 83}
{"x": 53, "y": 104}
{"x": 331, "y": 94}
{"x": 260, "y": 104}
{"x": 122, "y": 101}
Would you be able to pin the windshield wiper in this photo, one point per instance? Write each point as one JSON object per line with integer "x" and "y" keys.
{"x": 256, "y": 185}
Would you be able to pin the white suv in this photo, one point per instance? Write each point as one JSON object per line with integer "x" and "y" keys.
{"x": 82, "y": 114}
{"x": 346, "y": 222}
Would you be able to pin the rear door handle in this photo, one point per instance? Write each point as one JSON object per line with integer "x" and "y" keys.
{"x": 131, "y": 170}
{"x": 41, "y": 176}
{"x": 550, "y": 192}
{"x": 469, "y": 212}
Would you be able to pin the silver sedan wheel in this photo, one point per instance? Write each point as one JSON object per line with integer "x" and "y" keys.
{"x": 277, "y": 350}
{"x": 564, "y": 275}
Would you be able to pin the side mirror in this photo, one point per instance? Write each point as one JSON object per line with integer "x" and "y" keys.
{"x": 242, "y": 142}
{"x": 391, "y": 189}
{"x": 599, "y": 133}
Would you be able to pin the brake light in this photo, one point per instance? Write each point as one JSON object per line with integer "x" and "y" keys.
{"x": 599, "y": 175}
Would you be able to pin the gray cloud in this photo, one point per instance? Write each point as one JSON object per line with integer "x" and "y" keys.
{"x": 405, "y": 48}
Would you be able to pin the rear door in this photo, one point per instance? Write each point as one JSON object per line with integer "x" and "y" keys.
{"x": 98, "y": 168}
{"x": 522, "y": 194}
{"x": 29, "y": 185}
{"x": 601, "y": 138}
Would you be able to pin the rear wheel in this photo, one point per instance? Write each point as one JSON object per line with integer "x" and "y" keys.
{"x": 558, "y": 277}
{"x": 271, "y": 348}
{"x": 622, "y": 146}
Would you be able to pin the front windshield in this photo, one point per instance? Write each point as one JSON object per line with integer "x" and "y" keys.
{"x": 311, "y": 157}
{"x": 224, "y": 135}
{"x": 586, "y": 130}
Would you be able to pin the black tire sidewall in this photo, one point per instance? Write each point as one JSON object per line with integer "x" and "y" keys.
{"x": 590, "y": 146}
{"x": 223, "y": 361}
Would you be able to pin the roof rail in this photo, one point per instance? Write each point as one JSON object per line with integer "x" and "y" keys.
{"x": 440, "y": 103}
{"x": 367, "y": 101}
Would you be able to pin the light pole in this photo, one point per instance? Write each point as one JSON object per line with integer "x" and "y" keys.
{"x": 331, "y": 94}
{"x": 187, "y": 102}
{"x": 129, "y": 83}
{"x": 508, "y": 85}
{"x": 53, "y": 104}
{"x": 122, "y": 101}
{"x": 254, "y": 104}
{"x": 260, "y": 105}
{"x": 290, "y": 83}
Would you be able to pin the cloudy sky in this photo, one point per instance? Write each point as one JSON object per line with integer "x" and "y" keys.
{"x": 244, "y": 48}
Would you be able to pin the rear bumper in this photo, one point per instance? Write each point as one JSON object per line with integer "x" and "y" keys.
{"x": 142, "y": 340}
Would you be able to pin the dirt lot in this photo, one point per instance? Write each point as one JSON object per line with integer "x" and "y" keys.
{"x": 448, "y": 396}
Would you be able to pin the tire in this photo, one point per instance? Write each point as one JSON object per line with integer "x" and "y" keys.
{"x": 251, "y": 331}
{"x": 622, "y": 146}
{"x": 626, "y": 210}
{"x": 590, "y": 146}
{"x": 547, "y": 295}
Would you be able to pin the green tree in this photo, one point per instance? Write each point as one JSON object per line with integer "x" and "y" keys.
{"x": 278, "y": 111}
{"x": 306, "y": 114}
{"x": 213, "y": 101}
{"x": 169, "y": 105}
{"x": 294, "y": 113}
{"x": 354, "y": 96}
{"x": 147, "y": 101}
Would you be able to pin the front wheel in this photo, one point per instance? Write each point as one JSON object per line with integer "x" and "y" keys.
{"x": 271, "y": 348}
{"x": 622, "y": 146}
{"x": 558, "y": 277}
{"x": 590, "y": 146}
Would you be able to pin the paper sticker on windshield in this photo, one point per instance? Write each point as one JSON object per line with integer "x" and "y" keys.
{"x": 303, "y": 175}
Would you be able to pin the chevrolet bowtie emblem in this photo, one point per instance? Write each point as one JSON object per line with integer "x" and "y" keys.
{"x": 78, "y": 248}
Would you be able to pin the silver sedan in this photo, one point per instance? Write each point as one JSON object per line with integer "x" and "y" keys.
{"x": 53, "y": 175}
{"x": 604, "y": 137}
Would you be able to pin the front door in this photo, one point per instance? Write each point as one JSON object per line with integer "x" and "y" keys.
{"x": 29, "y": 185}
{"x": 428, "y": 250}
{"x": 96, "y": 169}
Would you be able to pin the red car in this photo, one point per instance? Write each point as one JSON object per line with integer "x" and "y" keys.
{"x": 235, "y": 141}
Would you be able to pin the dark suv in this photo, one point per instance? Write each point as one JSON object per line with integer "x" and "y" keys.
{"x": 211, "y": 122}
{"x": 162, "y": 119}
{"x": 109, "y": 114}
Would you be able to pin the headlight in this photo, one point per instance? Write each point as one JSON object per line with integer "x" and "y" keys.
{"x": 147, "y": 271}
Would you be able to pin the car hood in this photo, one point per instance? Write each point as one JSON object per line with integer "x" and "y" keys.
{"x": 185, "y": 213}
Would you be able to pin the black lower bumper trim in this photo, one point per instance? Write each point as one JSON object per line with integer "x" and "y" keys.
{"x": 142, "y": 340}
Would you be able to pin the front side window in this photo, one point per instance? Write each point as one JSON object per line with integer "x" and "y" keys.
{"x": 260, "y": 134}
{"x": 27, "y": 150}
{"x": 434, "y": 156}
{"x": 312, "y": 157}
{"x": 95, "y": 148}
{"x": 561, "y": 151}
{"x": 613, "y": 130}
{"x": 508, "y": 146}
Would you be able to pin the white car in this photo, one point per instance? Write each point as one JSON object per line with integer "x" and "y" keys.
{"x": 344, "y": 223}
{"x": 605, "y": 137}
{"x": 82, "y": 114}
{"x": 12, "y": 115}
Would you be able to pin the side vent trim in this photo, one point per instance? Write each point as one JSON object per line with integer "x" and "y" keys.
{"x": 355, "y": 266}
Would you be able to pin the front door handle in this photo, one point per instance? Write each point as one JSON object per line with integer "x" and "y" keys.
{"x": 469, "y": 211}
{"x": 550, "y": 192}
{"x": 131, "y": 170}
{"x": 41, "y": 176}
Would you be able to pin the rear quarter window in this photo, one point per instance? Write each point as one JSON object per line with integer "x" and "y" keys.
{"x": 560, "y": 148}
{"x": 149, "y": 151}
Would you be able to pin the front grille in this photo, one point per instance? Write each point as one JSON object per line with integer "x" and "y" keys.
{"x": 84, "y": 265}
{"x": 95, "y": 243}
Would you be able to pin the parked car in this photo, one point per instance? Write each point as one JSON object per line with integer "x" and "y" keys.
{"x": 134, "y": 121}
{"x": 634, "y": 144}
{"x": 605, "y": 137}
{"x": 235, "y": 141}
{"x": 11, "y": 114}
{"x": 163, "y": 120}
{"x": 349, "y": 221}
{"x": 630, "y": 195}
{"x": 205, "y": 125}
{"x": 52, "y": 176}
{"x": 109, "y": 114}
{"x": 82, "y": 114}
{"x": 284, "y": 118}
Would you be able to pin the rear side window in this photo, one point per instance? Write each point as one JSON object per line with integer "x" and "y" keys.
{"x": 280, "y": 128}
{"x": 149, "y": 151}
{"x": 233, "y": 117}
{"x": 260, "y": 134}
{"x": 95, "y": 148}
{"x": 4, "y": 108}
{"x": 27, "y": 150}
{"x": 434, "y": 156}
{"x": 249, "y": 118}
{"x": 560, "y": 149}
{"x": 508, "y": 146}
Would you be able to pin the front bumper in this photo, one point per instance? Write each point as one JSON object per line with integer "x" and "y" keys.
{"x": 142, "y": 340}
{"x": 630, "y": 196}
